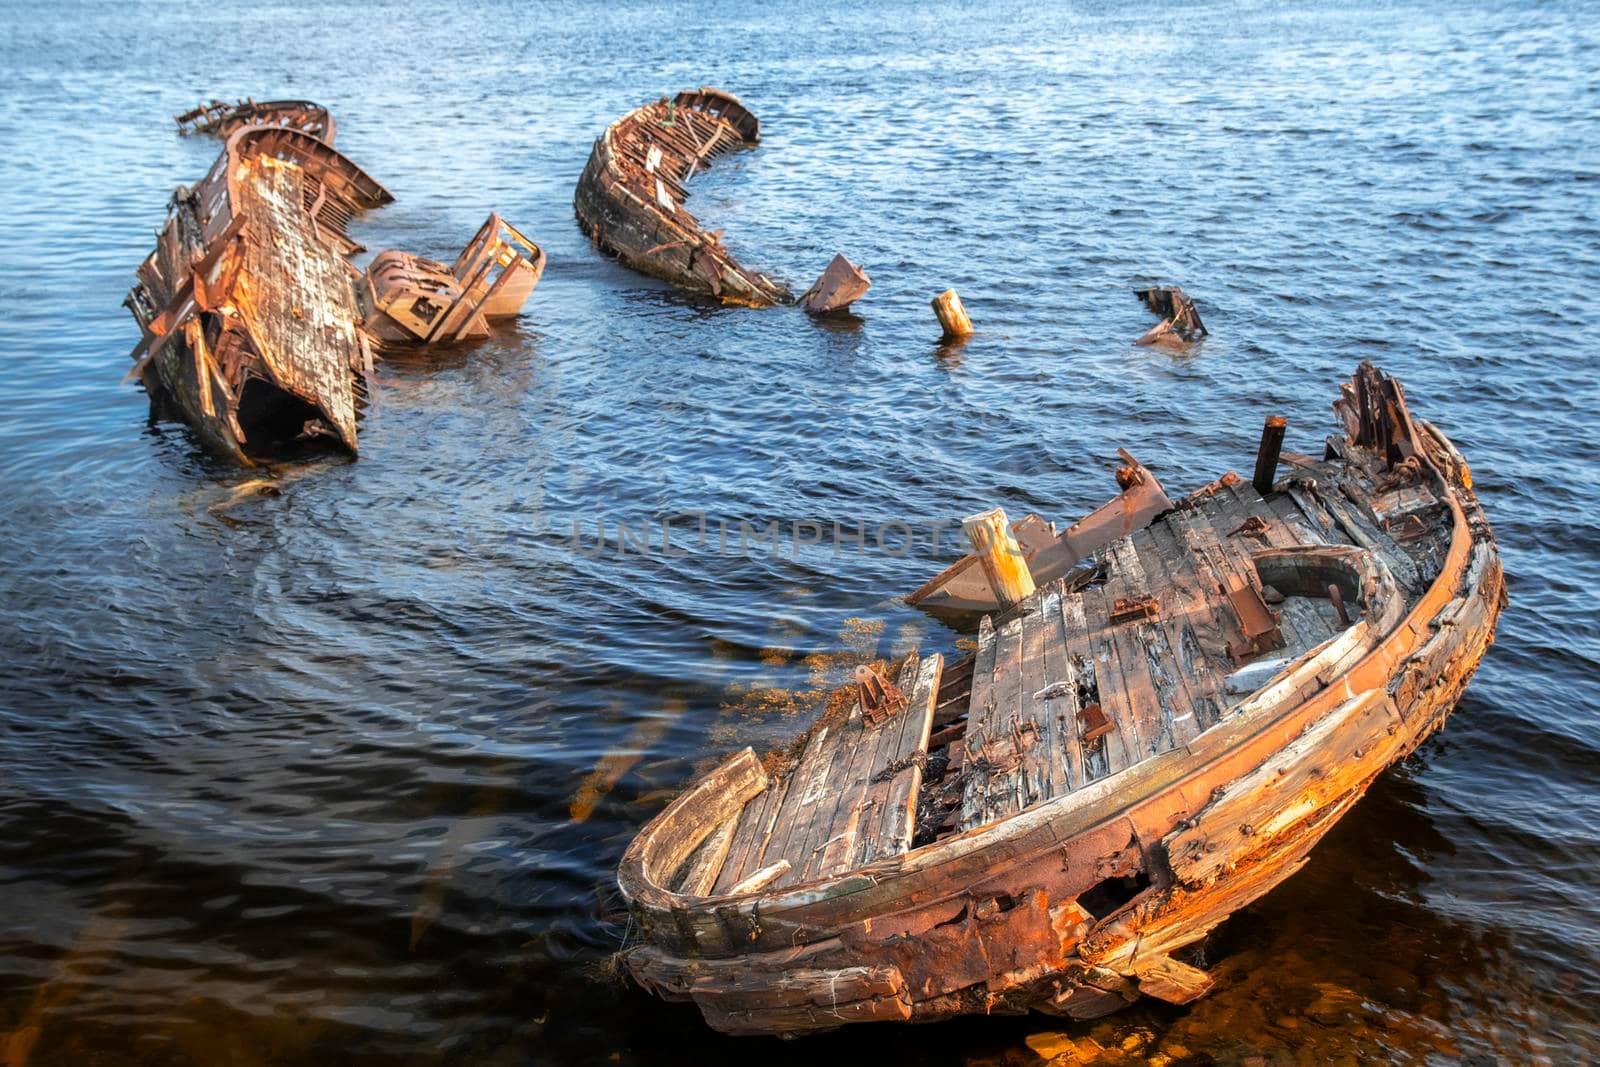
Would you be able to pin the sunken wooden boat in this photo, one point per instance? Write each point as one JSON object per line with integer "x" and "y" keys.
{"x": 221, "y": 119}
{"x": 1135, "y": 750}
{"x": 251, "y": 328}
{"x": 630, "y": 198}
{"x": 256, "y": 328}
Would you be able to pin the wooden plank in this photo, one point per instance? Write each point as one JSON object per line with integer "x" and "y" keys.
{"x": 897, "y": 784}
{"x": 1369, "y": 536}
{"x": 1206, "y": 632}
{"x": 1149, "y": 666}
{"x": 752, "y": 835}
{"x": 707, "y": 862}
{"x": 863, "y": 750}
{"x": 989, "y": 741}
{"x": 1097, "y": 754}
{"x": 1061, "y": 706}
{"x": 807, "y": 786}
{"x": 1122, "y": 744}
{"x": 1180, "y": 680}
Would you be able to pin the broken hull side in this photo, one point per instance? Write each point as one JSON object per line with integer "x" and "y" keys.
{"x": 995, "y": 919}
{"x": 247, "y": 307}
{"x": 620, "y": 207}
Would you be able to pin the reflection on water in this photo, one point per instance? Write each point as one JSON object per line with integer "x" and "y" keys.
{"x": 336, "y": 762}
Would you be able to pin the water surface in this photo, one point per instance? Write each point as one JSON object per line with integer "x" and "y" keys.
{"x": 343, "y": 773}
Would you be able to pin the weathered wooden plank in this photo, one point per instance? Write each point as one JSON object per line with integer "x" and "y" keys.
{"x": 700, "y": 874}
{"x": 754, "y": 831}
{"x": 1195, "y": 679}
{"x": 1060, "y": 706}
{"x": 1096, "y": 754}
{"x": 897, "y": 783}
{"x": 1122, "y": 744}
{"x": 1162, "y": 637}
{"x": 1204, "y": 652}
{"x": 1149, "y": 667}
{"x": 989, "y": 742}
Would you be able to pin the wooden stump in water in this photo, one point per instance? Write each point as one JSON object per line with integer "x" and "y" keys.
{"x": 999, "y": 554}
{"x": 952, "y": 316}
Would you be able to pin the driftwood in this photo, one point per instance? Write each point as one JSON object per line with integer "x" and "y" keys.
{"x": 1047, "y": 821}
{"x": 1180, "y": 324}
{"x": 630, "y": 197}
{"x": 255, "y": 327}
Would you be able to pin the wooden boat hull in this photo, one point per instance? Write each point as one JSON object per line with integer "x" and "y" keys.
{"x": 630, "y": 198}
{"x": 1075, "y": 906}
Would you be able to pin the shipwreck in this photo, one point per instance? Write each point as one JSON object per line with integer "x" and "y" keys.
{"x": 630, "y": 197}
{"x": 257, "y": 329}
{"x": 221, "y": 119}
{"x": 1146, "y": 739}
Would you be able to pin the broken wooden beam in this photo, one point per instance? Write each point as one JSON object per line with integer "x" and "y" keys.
{"x": 1180, "y": 325}
{"x": 952, "y": 315}
{"x": 999, "y": 555}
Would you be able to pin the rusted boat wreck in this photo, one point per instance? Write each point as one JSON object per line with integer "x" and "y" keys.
{"x": 1135, "y": 750}
{"x": 221, "y": 119}
{"x": 256, "y": 328}
{"x": 630, "y": 198}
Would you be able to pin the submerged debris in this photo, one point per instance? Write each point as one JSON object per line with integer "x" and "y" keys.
{"x": 952, "y": 315}
{"x": 1180, "y": 325}
{"x": 841, "y": 284}
{"x": 410, "y": 298}
{"x": 257, "y": 330}
{"x": 631, "y": 195}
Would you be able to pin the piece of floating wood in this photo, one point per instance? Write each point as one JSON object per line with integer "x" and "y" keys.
{"x": 963, "y": 587}
{"x": 1180, "y": 325}
{"x": 841, "y": 284}
{"x": 952, "y": 315}
{"x": 1093, "y": 788}
{"x": 257, "y": 330}
{"x": 630, "y": 197}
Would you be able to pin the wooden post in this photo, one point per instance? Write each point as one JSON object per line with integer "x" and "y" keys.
{"x": 1267, "y": 454}
{"x": 1001, "y": 557}
{"x": 952, "y": 316}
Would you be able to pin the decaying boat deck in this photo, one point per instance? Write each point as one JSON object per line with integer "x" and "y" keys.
{"x": 1139, "y": 746}
{"x": 1016, "y": 706}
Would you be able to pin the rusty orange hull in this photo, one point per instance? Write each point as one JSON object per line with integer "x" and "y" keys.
{"x": 1076, "y": 904}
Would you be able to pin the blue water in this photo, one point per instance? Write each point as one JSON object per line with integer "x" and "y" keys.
{"x": 343, "y": 773}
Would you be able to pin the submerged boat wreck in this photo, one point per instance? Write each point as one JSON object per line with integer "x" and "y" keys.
{"x": 1180, "y": 324}
{"x": 1130, "y": 755}
{"x": 630, "y": 198}
{"x": 257, "y": 329}
{"x": 221, "y": 119}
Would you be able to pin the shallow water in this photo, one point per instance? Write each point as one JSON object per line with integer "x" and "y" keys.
{"x": 343, "y": 773}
